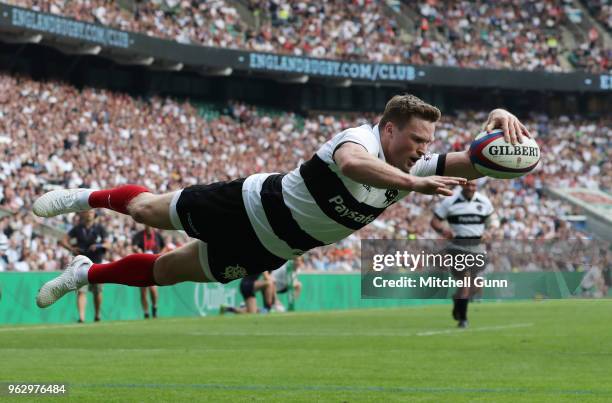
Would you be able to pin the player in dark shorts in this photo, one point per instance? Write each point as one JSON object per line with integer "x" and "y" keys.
{"x": 249, "y": 286}
{"x": 467, "y": 213}
{"x": 251, "y": 225}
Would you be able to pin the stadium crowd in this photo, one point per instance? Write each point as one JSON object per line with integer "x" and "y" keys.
{"x": 602, "y": 11}
{"x": 209, "y": 23}
{"x": 483, "y": 34}
{"x": 53, "y": 135}
{"x": 357, "y": 30}
{"x": 512, "y": 34}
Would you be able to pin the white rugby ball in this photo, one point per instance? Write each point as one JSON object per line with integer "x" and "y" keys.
{"x": 493, "y": 157}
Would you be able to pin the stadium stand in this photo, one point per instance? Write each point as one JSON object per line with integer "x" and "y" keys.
{"x": 511, "y": 34}
{"x": 52, "y": 134}
{"x": 602, "y": 11}
{"x": 337, "y": 29}
{"x": 508, "y": 34}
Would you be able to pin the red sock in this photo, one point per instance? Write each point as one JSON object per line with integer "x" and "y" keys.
{"x": 117, "y": 198}
{"x": 135, "y": 270}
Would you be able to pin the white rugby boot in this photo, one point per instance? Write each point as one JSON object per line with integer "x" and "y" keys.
{"x": 62, "y": 201}
{"x": 71, "y": 279}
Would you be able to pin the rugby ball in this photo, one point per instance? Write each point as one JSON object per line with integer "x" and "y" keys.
{"x": 492, "y": 156}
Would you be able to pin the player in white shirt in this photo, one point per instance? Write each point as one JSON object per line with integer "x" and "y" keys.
{"x": 255, "y": 224}
{"x": 466, "y": 212}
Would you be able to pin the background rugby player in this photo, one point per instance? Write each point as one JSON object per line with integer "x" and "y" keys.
{"x": 249, "y": 286}
{"x": 282, "y": 278}
{"x": 466, "y": 212}
{"x": 255, "y": 224}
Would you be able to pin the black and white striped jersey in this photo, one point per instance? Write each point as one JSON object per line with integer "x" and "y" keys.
{"x": 465, "y": 217}
{"x": 315, "y": 204}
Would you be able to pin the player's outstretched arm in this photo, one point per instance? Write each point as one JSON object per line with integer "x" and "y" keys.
{"x": 355, "y": 162}
{"x": 459, "y": 164}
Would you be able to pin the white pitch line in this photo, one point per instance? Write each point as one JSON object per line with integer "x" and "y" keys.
{"x": 9, "y": 328}
{"x": 60, "y": 326}
{"x": 97, "y": 350}
{"x": 360, "y": 334}
{"x": 478, "y": 329}
{"x": 278, "y": 334}
{"x": 302, "y": 334}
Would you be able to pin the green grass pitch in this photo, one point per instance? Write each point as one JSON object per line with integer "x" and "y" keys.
{"x": 553, "y": 351}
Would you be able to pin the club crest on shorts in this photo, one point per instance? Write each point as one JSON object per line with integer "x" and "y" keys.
{"x": 390, "y": 196}
{"x": 234, "y": 272}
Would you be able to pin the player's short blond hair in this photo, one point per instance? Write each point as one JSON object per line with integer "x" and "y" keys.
{"x": 401, "y": 108}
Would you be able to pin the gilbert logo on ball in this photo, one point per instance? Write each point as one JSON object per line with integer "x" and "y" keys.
{"x": 493, "y": 157}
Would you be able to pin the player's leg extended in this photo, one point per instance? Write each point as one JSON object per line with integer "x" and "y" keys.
{"x": 136, "y": 201}
{"x": 153, "y": 210}
{"x": 139, "y": 270}
{"x": 181, "y": 264}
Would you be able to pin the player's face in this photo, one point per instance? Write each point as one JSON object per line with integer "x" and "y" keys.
{"x": 408, "y": 145}
{"x": 469, "y": 189}
{"x": 87, "y": 217}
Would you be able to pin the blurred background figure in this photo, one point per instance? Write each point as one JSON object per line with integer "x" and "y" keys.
{"x": 88, "y": 238}
{"x": 286, "y": 280}
{"x": 467, "y": 213}
{"x": 249, "y": 286}
{"x": 149, "y": 240}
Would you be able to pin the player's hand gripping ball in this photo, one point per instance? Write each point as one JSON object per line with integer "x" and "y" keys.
{"x": 493, "y": 157}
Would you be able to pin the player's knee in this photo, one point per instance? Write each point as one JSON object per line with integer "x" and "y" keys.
{"x": 141, "y": 210}
{"x": 162, "y": 271}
